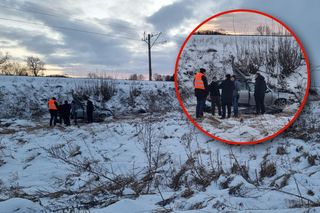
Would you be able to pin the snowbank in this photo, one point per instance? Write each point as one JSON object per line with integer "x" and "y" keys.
{"x": 20, "y": 205}
{"x": 27, "y": 97}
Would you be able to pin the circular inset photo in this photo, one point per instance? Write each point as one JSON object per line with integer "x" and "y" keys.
{"x": 242, "y": 77}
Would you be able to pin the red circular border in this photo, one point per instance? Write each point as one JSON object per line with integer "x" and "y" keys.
{"x": 263, "y": 139}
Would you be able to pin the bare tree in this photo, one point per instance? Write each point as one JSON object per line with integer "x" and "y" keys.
{"x": 140, "y": 77}
{"x": 4, "y": 58}
{"x": 264, "y": 30}
{"x": 35, "y": 65}
{"x": 14, "y": 68}
{"x": 93, "y": 75}
{"x": 158, "y": 77}
{"x": 133, "y": 77}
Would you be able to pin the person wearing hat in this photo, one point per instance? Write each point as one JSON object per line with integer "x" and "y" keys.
{"x": 235, "y": 96}
{"x": 215, "y": 96}
{"x": 260, "y": 88}
{"x": 227, "y": 87}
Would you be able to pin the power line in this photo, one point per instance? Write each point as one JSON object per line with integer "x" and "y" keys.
{"x": 70, "y": 29}
{"x": 29, "y": 11}
{"x": 151, "y": 42}
{"x": 56, "y": 15}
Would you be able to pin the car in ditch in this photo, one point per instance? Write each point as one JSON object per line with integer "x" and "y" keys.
{"x": 273, "y": 97}
{"x": 98, "y": 116}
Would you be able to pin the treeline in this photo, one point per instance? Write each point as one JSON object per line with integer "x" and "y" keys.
{"x": 209, "y": 32}
{"x": 133, "y": 77}
{"x": 156, "y": 77}
{"x": 33, "y": 66}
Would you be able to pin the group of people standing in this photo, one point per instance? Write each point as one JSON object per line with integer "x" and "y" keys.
{"x": 63, "y": 112}
{"x": 229, "y": 96}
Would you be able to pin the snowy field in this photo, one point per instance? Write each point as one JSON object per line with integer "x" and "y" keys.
{"x": 148, "y": 162}
{"x": 27, "y": 97}
{"x": 215, "y": 54}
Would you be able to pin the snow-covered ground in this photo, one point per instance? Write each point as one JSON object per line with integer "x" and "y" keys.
{"x": 245, "y": 128}
{"x": 214, "y": 53}
{"x": 152, "y": 162}
{"x": 27, "y": 96}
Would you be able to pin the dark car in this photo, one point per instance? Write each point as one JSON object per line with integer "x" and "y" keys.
{"x": 98, "y": 116}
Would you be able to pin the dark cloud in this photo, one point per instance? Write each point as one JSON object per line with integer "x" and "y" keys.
{"x": 171, "y": 16}
{"x": 120, "y": 26}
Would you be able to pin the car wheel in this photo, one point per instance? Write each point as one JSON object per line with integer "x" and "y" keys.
{"x": 281, "y": 103}
{"x": 102, "y": 117}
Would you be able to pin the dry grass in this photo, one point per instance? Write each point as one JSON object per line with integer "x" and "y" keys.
{"x": 268, "y": 169}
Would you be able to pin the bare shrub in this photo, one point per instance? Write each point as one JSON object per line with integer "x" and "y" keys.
{"x": 134, "y": 92}
{"x": 281, "y": 150}
{"x": 103, "y": 89}
{"x": 236, "y": 190}
{"x": 101, "y": 186}
{"x": 152, "y": 148}
{"x": 268, "y": 169}
{"x": 240, "y": 170}
{"x": 312, "y": 160}
{"x": 281, "y": 181}
{"x": 225, "y": 184}
{"x": 158, "y": 101}
{"x": 289, "y": 55}
{"x": 194, "y": 171}
{"x": 185, "y": 93}
{"x": 187, "y": 193}
{"x": 249, "y": 57}
{"x": 177, "y": 178}
{"x": 107, "y": 89}
{"x": 271, "y": 60}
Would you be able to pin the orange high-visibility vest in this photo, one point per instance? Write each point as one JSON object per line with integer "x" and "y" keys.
{"x": 52, "y": 105}
{"x": 198, "y": 82}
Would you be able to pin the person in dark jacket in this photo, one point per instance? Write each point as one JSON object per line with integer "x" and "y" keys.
{"x": 74, "y": 109}
{"x": 66, "y": 107}
{"x": 90, "y": 109}
{"x": 235, "y": 96}
{"x": 201, "y": 91}
{"x": 215, "y": 96}
{"x": 260, "y": 88}
{"x": 59, "y": 116}
{"x": 227, "y": 87}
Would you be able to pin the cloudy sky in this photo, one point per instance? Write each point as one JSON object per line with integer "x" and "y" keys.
{"x": 244, "y": 23}
{"x": 116, "y": 48}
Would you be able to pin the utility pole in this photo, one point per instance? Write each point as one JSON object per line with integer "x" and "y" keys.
{"x": 149, "y": 54}
{"x": 148, "y": 39}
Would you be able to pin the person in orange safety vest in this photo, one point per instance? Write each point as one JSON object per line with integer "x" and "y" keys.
{"x": 201, "y": 91}
{"x": 53, "y": 110}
